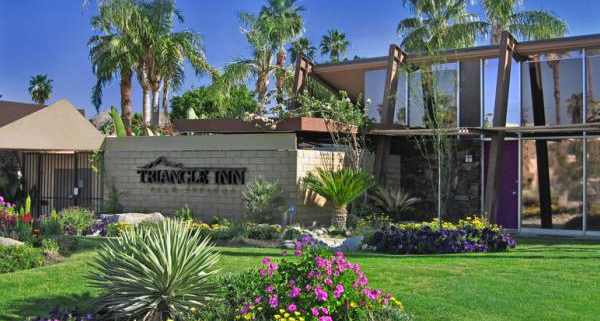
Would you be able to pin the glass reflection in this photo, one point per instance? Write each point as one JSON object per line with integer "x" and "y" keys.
{"x": 593, "y": 184}
{"x": 566, "y": 187}
{"x": 490, "y": 79}
{"x": 561, "y": 75}
{"x": 593, "y": 85}
{"x": 374, "y": 91}
{"x": 444, "y": 79}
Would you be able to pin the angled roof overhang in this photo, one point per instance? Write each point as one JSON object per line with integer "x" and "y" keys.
{"x": 58, "y": 127}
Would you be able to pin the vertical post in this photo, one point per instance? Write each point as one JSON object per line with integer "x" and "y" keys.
{"x": 395, "y": 58}
{"x": 75, "y": 179}
{"x": 303, "y": 67}
{"x": 541, "y": 146}
{"x": 494, "y": 175}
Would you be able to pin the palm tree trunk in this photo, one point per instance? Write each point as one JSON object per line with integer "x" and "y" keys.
{"x": 339, "y": 217}
{"x": 262, "y": 85}
{"x": 280, "y": 75}
{"x": 155, "y": 104}
{"x": 126, "y": 101}
{"x": 165, "y": 103}
{"x": 591, "y": 102}
{"x": 142, "y": 76}
{"x": 556, "y": 78}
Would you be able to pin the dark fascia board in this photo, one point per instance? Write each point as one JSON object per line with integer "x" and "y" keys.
{"x": 479, "y": 52}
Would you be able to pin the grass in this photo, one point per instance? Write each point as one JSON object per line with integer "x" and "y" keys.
{"x": 543, "y": 279}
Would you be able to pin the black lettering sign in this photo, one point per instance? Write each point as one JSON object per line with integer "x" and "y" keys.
{"x": 177, "y": 173}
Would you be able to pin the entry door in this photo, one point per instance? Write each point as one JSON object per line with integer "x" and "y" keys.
{"x": 508, "y": 205}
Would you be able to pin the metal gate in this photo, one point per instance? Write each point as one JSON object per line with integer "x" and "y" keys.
{"x": 59, "y": 180}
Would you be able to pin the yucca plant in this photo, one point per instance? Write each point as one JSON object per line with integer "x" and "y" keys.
{"x": 392, "y": 201}
{"x": 154, "y": 273}
{"x": 340, "y": 187}
{"x": 263, "y": 200}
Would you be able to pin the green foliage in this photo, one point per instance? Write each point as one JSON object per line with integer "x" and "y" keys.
{"x": 263, "y": 201}
{"x": 118, "y": 122}
{"x": 155, "y": 273}
{"x": 67, "y": 244}
{"x": 119, "y": 228}
{"x": 51, "y": 224}
{"x": 392, "y": 201}
{"x": 335, "y": 44}
{"x": 185, "y": 213}
{"x": 50, "y": 245}
{"x": 339, "y": 187}
{"x": 264, "y": 232}
{"x": 77, "y": 219}
{"x": 209, "y": 102}
{"x": 19, "y": 257}
{"x": 113, "y": 203}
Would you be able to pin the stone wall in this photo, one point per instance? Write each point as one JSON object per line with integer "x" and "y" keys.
{"x": 286, "y": 165}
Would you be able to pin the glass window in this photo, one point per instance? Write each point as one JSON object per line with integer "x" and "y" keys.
{"x": 593, "y": 85}
{"x": 470, "y": 93}
{"x": 401, "y": 99}
{"x": 444, "y": 78}
{"x": 566, "y": 184}
{"x": 593, "y": 184}
{"x": 490, "y": 79}
{"x": 374, "y": 91}
{"x": 561, "y": 76}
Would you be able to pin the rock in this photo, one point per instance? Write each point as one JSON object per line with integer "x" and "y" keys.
{"x": 288, "y": 244}
{"x": 352, "y": 243}
{"x": 365, "y": 247}
{"x": 9, "y": 242}
{"x": 133, "y": 218}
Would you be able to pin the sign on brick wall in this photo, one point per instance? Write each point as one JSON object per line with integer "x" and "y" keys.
{"x": 162, "y": 171}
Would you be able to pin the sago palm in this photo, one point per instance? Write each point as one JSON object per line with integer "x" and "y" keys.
{"x": 392, "y": 201}
{"x": 40, "y": 88}
{"x": 439, "y": 25}
{"x": 335, "y": 44}
{"x": 340, "y": 187}
{"x": 154, "y": 273}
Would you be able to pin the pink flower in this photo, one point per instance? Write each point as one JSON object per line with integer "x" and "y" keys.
{"x": 325, "y": 318}
{"x": 294, "y": 293}
{"x": 339, "y": 290}
{"x": 266, "y": 260}
{"x": 324, "y": 310}
{"x": 292, "y": 307}
{"x": 270, "y": 288}
{"x": 257, "y": 300}
{"x": 274, "y": 301}
{"x": 262, "y": 272}
{"x": 297, "y": 253}
{"x": 308, "y": 287}
{"x": 315, "y": 311}
{"x": 283, "y": 253}
{"x": 292, "y": 282}
{"x": 321, "y": 294}
{"x": 328, "y": 281}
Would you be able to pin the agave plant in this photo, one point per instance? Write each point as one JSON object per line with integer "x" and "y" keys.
{"x": 340, "y": 187}
{"x": 154, "y": 273}
{"x": 392, "y": 201}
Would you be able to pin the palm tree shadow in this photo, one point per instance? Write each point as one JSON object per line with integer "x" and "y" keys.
{"x": 36, "y": 307}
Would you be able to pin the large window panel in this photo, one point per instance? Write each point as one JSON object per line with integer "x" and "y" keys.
{"x": 562, "y": 86}
{"x": 490, "y": 80}
{"x": 470, "y": 93}
{"x": 593, "y": 184}
{"x": 593, "y": 85}
{"x": 445, "y": 88}
{"x": 565, "y": 159}
{"x": 374, "y": 91}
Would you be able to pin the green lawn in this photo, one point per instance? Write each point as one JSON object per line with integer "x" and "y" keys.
{"x": 543, "y": 279}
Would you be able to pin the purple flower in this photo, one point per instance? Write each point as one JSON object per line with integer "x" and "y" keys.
{"x": 274, "y": 301}
{"x": 325, "y": 318}
{"x": 321, "y": 294}
{"x": 270, "y": 288}
{"x": 339, "y": 290}
{"x": 292, "y": 307}
{"x": 294, "y": 293}
{"x": 315, "y": 312}
{"x": 297, "y": 253}
{"x": 266, "y": 260}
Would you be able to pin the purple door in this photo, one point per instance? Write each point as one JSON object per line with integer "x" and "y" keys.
{"x": 508, "y": 205}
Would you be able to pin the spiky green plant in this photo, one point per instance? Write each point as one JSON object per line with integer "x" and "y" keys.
{"x": 154, "y": 273}
{"x": 392, "y": 201}
{"x": 263, "y": 200}
{"x": 118, "y": 122}
{"x": 340, "y": 187}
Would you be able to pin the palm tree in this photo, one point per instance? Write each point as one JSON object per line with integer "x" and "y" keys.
{"x": 114, "y": 52}
{"x": 281, "y": 21}
{"x": 335, "y": 44}
{"x": 439, "y": 25}
{"x": 40, "y": 88}
{"x": 302, "y": 46}
{"x": 340, "y": 187}
{"x": 260, "y": 66}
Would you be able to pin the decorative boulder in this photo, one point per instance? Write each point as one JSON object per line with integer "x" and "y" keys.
{"x": 133, "y": 218}
{"x": 352, "y": 243}
{"x": 9, "y": 242}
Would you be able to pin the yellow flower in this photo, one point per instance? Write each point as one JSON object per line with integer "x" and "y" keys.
{"x": 277, "y": 316}
{"x": 169, "y": 319}
{"x": 286, "y": 314}
{"x": 237, "y": 317}
{"x": 252, "y": 307}
{"x": 301, "y": 318}
{"x": 297, "y": 313}
{"x": 248, "y": 316}
{"x": 260, "y": 308}
{"x": 353, "y": 304}
{"x": 193, "y": 309}
{"x": 282, "y": 311}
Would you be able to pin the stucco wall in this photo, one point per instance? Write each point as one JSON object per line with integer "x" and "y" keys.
{"x": 273, "y": 157}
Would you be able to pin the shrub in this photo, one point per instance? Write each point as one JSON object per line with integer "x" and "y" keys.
{"x": 392, "y": 201}
{"x": 154, "y": 273}
{"x": 185, "y": 213}
{"x": 118, "y": 228}
{"x": 19, "y": 257}
{"x": 67, "y": 244}
{"x": 113, "y": 202}
{"x": 50, "y": 245}
{"x": 264, "y": 232}
{"x": 77, "y": 220}
{"x": 469, "y": 235}
{"x": 51, "y": 224}
{"x": 315, "y": 285}
{"x": 58, "y": 314}
{"x": 263, "y": 201}
{"x": 100, "y": 227}
{"x": 339, "y": 187}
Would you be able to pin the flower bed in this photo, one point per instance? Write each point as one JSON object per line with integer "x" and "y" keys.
{"x": 312, "y": 285}
{"x": 469, "y": 235}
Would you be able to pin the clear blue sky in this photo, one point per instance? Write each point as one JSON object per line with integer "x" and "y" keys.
{"x": 50, "y": 37}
